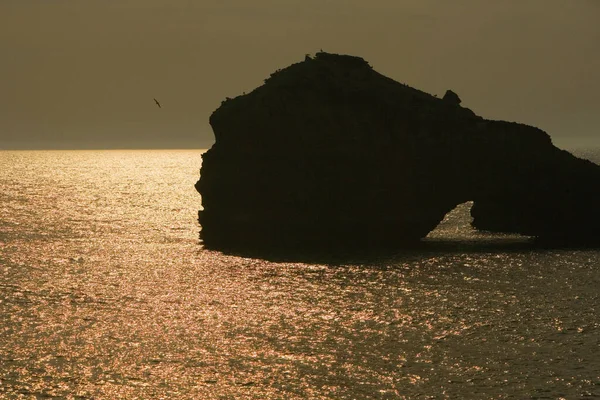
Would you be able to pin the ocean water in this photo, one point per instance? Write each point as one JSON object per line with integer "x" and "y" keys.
{"x": 106, "y": 292}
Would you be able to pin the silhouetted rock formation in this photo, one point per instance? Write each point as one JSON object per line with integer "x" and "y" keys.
{"x": 451, "y": 97}
{"x": 331, "y": 152}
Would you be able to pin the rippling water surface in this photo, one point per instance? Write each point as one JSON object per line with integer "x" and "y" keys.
{"x": 106, "y": 292}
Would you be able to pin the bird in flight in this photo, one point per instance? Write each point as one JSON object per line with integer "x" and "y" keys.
{"x": 157, "y": 103}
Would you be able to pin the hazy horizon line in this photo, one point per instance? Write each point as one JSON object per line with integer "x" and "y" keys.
{"x": 107, "y": 149}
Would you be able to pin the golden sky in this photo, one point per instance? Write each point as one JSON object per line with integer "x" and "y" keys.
{"x": 83, "y": 73}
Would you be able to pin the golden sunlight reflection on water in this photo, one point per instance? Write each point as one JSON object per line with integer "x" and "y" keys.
{"x": 105, "y": 292}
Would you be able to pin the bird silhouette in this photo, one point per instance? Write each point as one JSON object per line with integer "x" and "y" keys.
{"x": 157, "y": 103}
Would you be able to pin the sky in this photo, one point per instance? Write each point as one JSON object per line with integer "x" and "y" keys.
{"x": 83, "y": 73}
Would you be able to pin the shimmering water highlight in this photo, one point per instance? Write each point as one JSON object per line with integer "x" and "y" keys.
{"x": 106, "y": 292}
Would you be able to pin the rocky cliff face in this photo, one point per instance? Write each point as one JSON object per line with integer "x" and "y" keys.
{"x": 330, "y": 152}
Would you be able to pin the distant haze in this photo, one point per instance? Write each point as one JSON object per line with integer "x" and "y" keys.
{"x": 83, "y": 74}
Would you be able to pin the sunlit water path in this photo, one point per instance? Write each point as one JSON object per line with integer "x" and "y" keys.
{"x": 106, "y": 293}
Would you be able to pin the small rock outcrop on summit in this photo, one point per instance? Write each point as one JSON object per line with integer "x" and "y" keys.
{"x": 330, "y": 152}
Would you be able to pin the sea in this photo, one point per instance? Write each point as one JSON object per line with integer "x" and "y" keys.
{"x": 106, "y": 292}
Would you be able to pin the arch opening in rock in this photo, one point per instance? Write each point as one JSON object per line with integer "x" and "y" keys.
{"x": 456, "y": 223}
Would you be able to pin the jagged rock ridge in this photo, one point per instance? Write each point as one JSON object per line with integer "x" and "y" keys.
{"x": 330, "y": 152}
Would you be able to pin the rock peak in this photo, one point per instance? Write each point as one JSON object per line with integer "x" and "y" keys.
{"x": 342, "y": 59}
{"x": 452, "y": 98}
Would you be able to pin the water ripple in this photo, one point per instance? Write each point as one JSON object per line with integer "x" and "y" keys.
{"x": 106, "y": 293}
